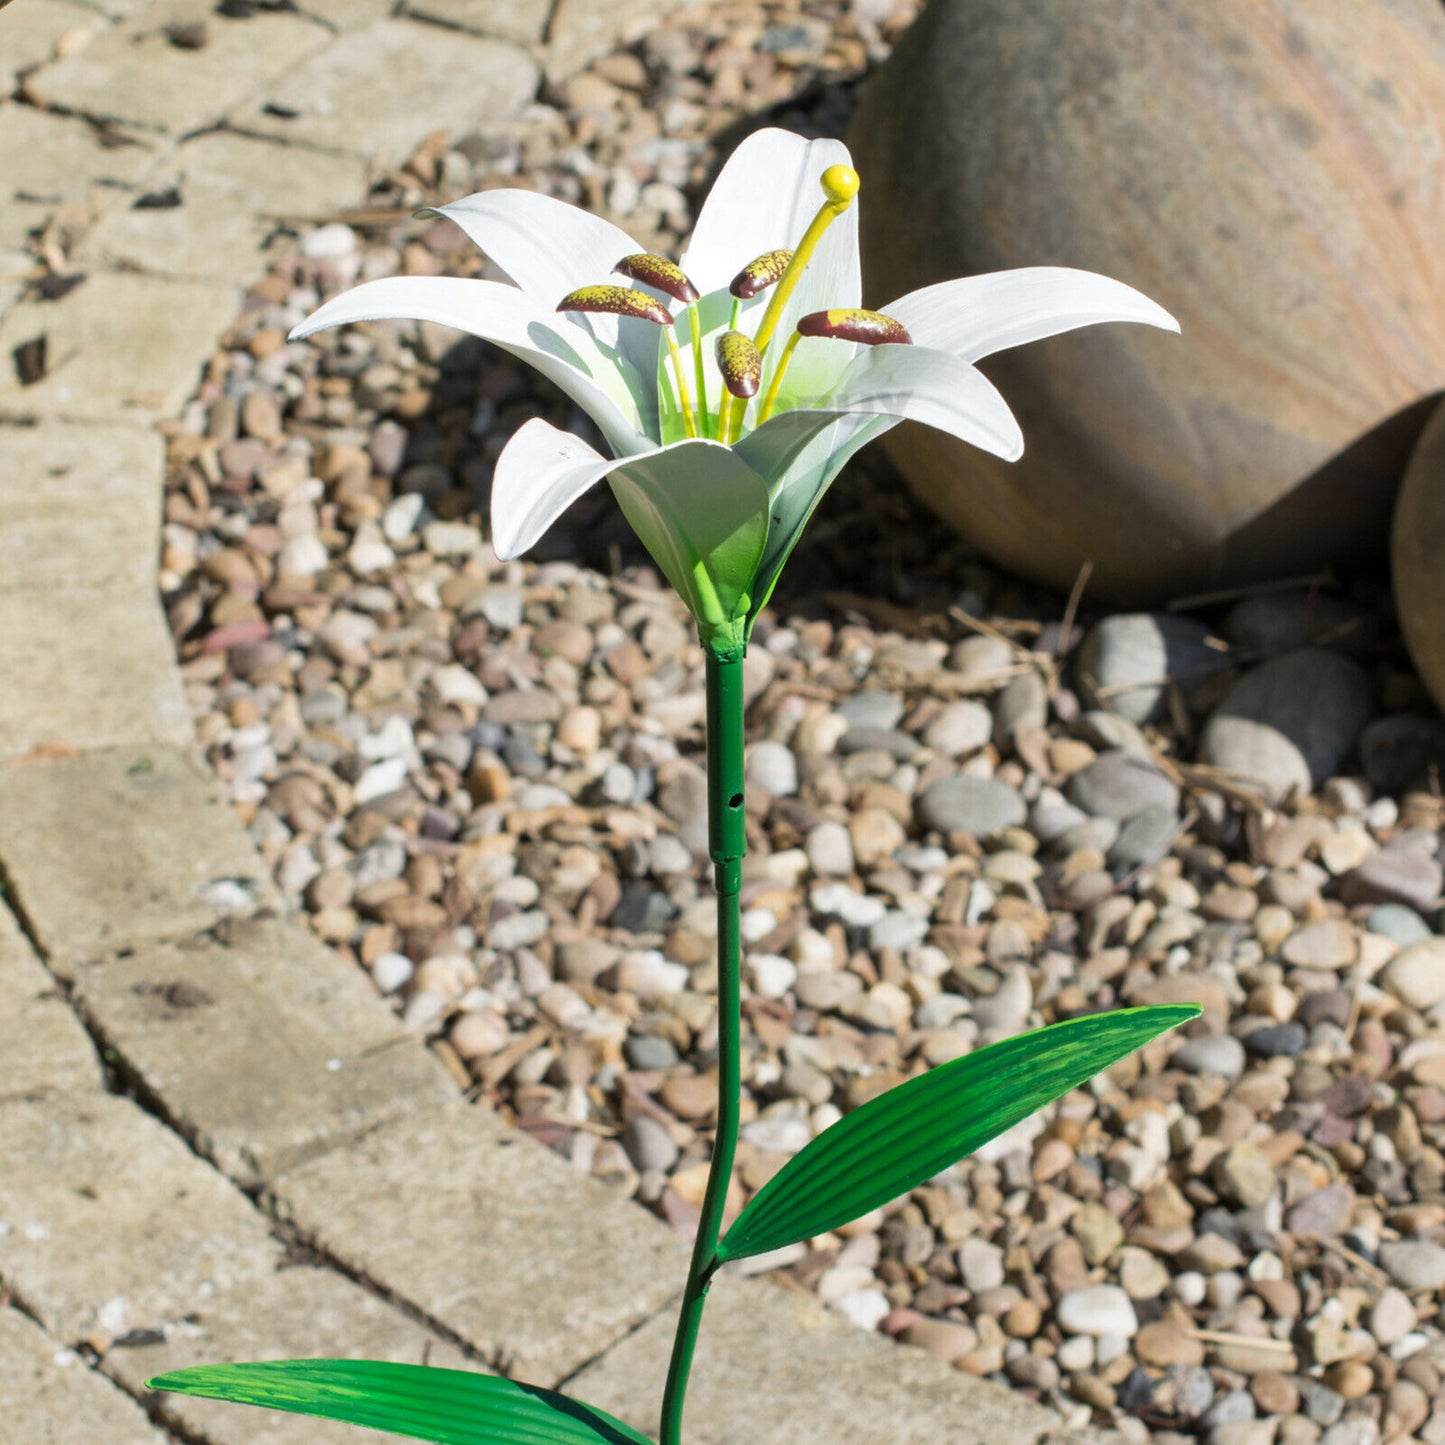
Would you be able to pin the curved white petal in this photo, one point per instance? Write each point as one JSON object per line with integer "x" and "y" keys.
{"x": 913, "y": 383}
{"x": 698, "y": 508}
{"x": 764, "y": 198}
{"x": 977, "y": 315}
{"x": 539, "y": 474}
{"x": 550, "y": 248}
{"x": 545, "y": 245}
{"x": 509, "y": 318}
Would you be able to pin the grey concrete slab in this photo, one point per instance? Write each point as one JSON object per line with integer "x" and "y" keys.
{"x": 87, "y": 667}
{"x": 322, "y": 1057}
{"x": 299, "y": 1313}
{"x": 110, "y": 850}
{"x": 135, "y": 74}
{"x": 489, "y": 1234}
{"x": 49, "y": 1396}
{"x": 774, "y": 1367}
{"x": 435, "y": 79}
{"x": 79, "y": 507}
{"x": 522, "y": 21}
{"x": 42, "y": 1044}
{"x": 118, "y": 348}
{"x": 234, "y": 190}
{"x": 53, "y": 160}
{"x": 113, "y": 1224}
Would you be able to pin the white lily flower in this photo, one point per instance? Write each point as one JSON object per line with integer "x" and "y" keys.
{"x": 718, "y": 468}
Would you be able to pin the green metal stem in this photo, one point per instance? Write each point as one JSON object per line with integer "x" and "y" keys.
{"x": 727, "y": 842}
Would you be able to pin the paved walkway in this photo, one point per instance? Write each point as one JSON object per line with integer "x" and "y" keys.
{"x": 215, "y": 1141}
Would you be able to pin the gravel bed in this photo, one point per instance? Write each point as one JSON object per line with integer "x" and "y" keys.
{"x": 482, "y": 782}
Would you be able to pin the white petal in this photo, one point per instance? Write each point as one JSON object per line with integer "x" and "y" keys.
{"x": 539, "y": 474}
{"x": 977, "y": 315}
{"x": 546, "y": 246}
{"x": 763, "y": 199}
{"x": 613, "y": 395}
{"x": 550, "y": 248}
{"x": 914, "y": 383}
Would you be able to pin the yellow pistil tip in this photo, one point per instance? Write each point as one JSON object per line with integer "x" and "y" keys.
{"x": 840, "y": 185}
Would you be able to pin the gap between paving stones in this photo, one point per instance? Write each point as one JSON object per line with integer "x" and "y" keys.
{"x": 127, "y": 915}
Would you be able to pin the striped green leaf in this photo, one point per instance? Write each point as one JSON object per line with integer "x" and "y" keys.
{"x": 447, "y": 1407}
{"x": 901, "y": 1138}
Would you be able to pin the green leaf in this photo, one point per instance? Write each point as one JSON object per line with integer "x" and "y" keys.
{"x": 898, "y": 1140}
{"x": 447, "y": 1407}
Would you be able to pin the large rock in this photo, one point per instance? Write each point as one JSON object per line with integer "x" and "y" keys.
{"x": 1269, "y": 172}
{"x": 1128, "y": 661}
{"x": 1290, "y": 722}
{"x": 1417, "y": 556}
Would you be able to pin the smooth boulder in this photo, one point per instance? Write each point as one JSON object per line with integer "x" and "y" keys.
{"x": 1266, "y": 170}
{"x": 1417, "y": 556}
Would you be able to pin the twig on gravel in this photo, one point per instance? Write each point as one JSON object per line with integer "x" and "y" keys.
{"x": 1071, "y": 608}
{"x": 1326, "y": 578}
{"x": 1232, "y": 1337}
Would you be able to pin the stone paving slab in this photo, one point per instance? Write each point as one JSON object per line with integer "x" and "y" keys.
{"x": 344, "y": 15}
{"x": 776, "y": 1367}
{"x": 48, "y": 1396}
{"x": 215, "y": 234}
{"x": 33, "y": 27}
{"x": 438, "y": 80}
{"x": 581, "y": 30}
{"x": 119, "y": 348}
{"x": 135, "y": 74}
{"x": 523, "y": 22}
{"x": 88, "y": 668}
{"x": 51, "y": 476}
{"x": 113, "y": 1223}
{"x": 297, "y": 1313}
{"x": 43, "y": 1047}
{"x": 115, "y": 9}
{"x": 121, "y": 848}
{"x": 537, "y": 1268}
{"x": 14, "y": 266}
{"x": 53, "y": 160}
{"x": 54, "y": 157}
{"x": 322, "y": 1057}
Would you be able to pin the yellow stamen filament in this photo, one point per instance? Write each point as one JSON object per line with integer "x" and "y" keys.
{"x": 704, "y": 417}
{"x": 770, "y": 400}
{"x": 840, "y": 184}
{"x": 684, "y": 397}
{"x": 730, "y": 418}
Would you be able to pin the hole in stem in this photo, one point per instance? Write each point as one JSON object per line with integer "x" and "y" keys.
{"x": 736, "y": 801}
